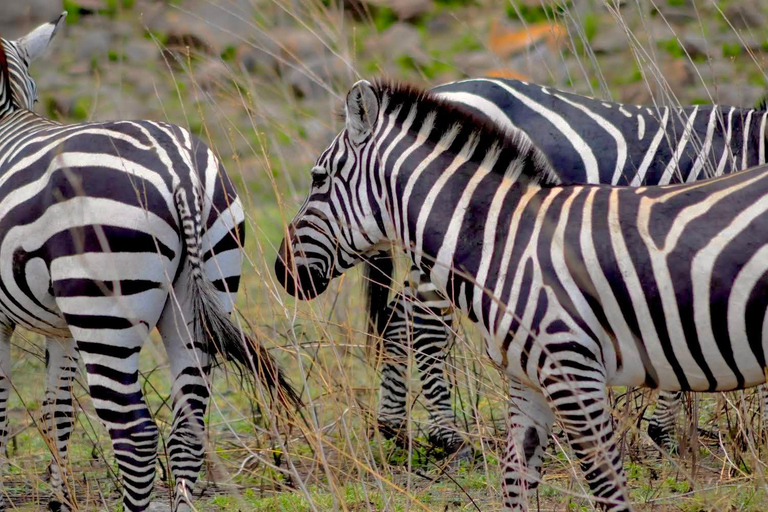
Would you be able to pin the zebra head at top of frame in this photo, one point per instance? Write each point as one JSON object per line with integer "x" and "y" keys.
{"x": 17, "y": 88}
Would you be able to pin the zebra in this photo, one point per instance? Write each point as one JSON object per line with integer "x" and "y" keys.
{"x": 575, "y": 288}
{"x": 108, "y": 230}
{"x": 637, "y": 146}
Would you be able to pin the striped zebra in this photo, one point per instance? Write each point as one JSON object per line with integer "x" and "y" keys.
{"x": 108, "y": 230}
{"x": 636, "y": 145}
{"x": 575, "y": 288}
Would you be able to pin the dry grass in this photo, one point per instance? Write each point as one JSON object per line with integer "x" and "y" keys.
{"x": 331, "y": 457}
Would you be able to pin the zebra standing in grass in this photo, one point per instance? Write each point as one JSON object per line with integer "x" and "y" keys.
{"x": 586, "y": 141}
{"x": 108, "y": 230}
{"x": 575, "y": 288}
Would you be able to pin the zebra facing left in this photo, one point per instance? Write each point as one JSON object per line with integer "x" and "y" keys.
{"x": 108, "y": 230}
{"x": 575, "y": 288}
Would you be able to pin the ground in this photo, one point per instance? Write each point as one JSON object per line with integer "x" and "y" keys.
{"x": 259, "y": 81}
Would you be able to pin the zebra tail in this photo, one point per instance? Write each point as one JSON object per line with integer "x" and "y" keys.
{"x": 377, "y": 281}
{"x": 215, "y": 328}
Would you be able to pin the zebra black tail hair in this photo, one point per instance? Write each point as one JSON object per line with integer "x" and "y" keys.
{"x": 377, "y": 281}
{"x": 214, "y": 327}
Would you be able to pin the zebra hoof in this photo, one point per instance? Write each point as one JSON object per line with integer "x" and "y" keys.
{"x": 57, "y": 506}
{"x": 449, "y": 444}
{"x": 394, "y": 431}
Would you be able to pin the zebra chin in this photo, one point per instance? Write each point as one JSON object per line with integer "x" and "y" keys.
{"x": 309, "y": 284}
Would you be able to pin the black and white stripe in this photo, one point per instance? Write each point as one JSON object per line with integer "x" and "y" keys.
{"x": 637, "y": 145}
{"x": 108, "y": 230}
{"x": 575, "y": 288}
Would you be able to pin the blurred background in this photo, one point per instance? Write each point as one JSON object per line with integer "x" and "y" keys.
{"x": 260, "y": 80}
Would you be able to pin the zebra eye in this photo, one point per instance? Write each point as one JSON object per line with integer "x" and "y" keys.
{"x": 319, "y": 174}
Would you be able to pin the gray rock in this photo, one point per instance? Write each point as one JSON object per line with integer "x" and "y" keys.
{"x": 399, "y": 39}
{"x": 476, "y": 63}
{"x": 697, "y": 45}
{"x": 292, "y": 44}
{"x": 746, "y": 14}
{"x": 217, "y": 24}
{"x": 609, "y": 38}
{"x": 94, "y": 43}
{"x": 141, "y": 51}
{"x": 258, "y": 59}
{"x": 314, "y": 78}
{"x": 159, "y": 506}
{"x": 739, "y": 95}
{"x": 677, "y": 15}
{"x": 409, "y": 9}
{"x": 404, "y": 9}
{"x": 17, "y": 17}
{"x": 714, "y": 70}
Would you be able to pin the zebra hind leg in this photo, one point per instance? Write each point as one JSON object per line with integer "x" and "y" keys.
{"x": 6, "y": 331}
{"x": 529, "y": 424}
{"x": 580, "y": 403}
{"x": 190, "y": 368}
{"x": 59, "y": 414}
{"x": 661, "y": 427}
{"x": 109, "y": 332}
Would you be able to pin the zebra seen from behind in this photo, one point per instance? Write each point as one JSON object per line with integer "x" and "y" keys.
{"x": 586, "y": 141}
{"x": 575, "y": 288}
{"x": 108, "y": 230}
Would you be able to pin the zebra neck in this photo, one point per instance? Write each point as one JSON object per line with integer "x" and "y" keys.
{"x": 439, "y": 207}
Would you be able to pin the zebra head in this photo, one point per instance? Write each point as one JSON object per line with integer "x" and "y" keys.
{"x": 17, "y": 89}
{"x": 341, "y": 222}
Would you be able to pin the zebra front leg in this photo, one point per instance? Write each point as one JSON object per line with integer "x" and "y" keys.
{"x": 528, "y": 426}
{"x": 6, "y": 331}
{"x": 58, "y": 414}
{"x": 396, "y": 338}
{"x": 391, "y": 415}
{"x": 661, "y": 427}
{"x": 574, "y": 385}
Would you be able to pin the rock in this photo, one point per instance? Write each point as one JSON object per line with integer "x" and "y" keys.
{"x": 609, "y": 38}
{"x": 158, "y": 506}
{"x": 314, "y": 78}
{"x": 255, "y": 59}
{"x": 292, "y": 44}
{"x": 141, "y": 51}
{"x": 94, "y": 43}
{"x": 212, "y": 74}
{"x": 21, "y": 16}
{"x": 441, "y": 23}
{"x": 746, "y": 14}
{"x": 476, "y": 63}
{"x": 636, "y": 94}
{"x": 217, "y": 26}
{"x": 714, "y": 70}
{"x": 697, "y": 45}
{"x": 403, "y": 9}
{"x": 409, "y": 9}
{"x": 399, "y": 39}
{"x": 677, "y": 73}
{"x": 677, "y": 15}
{"x": 738, "y": 95}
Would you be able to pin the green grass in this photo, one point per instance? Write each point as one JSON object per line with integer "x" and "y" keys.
{"x": 268, "y": 141}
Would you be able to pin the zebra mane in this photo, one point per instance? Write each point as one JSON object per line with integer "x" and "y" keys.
{"x": 6, "y": 74}
{"x": 514, "y": 146}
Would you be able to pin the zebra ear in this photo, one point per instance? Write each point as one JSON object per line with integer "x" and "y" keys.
{"x": 34, "y": 44}
{"x": 362, "y": 109}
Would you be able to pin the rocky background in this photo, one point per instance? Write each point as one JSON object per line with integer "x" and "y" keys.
{"x": 261, "y": 81}
{"x": 261, "y": 78}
